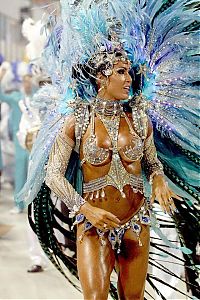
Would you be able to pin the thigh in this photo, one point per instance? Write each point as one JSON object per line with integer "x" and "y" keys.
{"x": 95, "y": 263}
{"x": 132, "y": 265}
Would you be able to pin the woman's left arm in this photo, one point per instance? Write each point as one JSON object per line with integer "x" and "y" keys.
{"x": 154, "y": 172}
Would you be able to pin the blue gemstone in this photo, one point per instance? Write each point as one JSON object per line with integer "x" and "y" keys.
{"x": 88, "y": 225}
{"x": 145, "y": 219}
{"x": 136, "y": 227}
{"x": 80, "y": 217}
{"x": 112, "y": 237}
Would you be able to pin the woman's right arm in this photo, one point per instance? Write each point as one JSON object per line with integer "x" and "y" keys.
{"x": 57, "y": 165}
{"x": 56, "y": 181}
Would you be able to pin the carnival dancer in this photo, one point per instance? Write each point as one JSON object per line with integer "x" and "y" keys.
{"x": 115, "y": 63}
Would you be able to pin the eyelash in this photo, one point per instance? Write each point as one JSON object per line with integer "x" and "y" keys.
{"x": 122, "y": 71}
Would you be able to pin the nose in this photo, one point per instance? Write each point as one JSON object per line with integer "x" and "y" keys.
{"x": 128, "y": 78}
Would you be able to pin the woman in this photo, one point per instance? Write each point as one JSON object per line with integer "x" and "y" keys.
{"x": 112, "y": 214}
{"x": 113, "y": 138}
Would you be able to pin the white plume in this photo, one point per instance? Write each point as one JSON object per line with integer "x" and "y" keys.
{"x": 33, "y": 32}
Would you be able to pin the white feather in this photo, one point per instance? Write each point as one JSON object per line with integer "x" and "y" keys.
{"x": 32, "y": 31}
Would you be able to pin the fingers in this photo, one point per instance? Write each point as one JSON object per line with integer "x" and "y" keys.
{"x": 103, "y": 220}
{"x": 112, "y": 218}
{"x": 173, "y": 195}
{"x": 112, "y": 222}
{"x": 162, "y": 202}
{"x": 106, "y": 225}
{"x": 165, "y": 198}
{"x": 172, "y": 206}
{"x": 169, "y": 204}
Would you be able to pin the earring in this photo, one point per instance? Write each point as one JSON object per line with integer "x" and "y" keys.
{"x": 103, "y": 86}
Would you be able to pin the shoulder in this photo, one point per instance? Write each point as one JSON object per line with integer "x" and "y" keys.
{"x": 75, "y": 124}
{"x": 68, "y": 128}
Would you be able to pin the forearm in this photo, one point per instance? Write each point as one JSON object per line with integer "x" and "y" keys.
{"x": 151, "y": 163}
{"x": 65, "y": 191}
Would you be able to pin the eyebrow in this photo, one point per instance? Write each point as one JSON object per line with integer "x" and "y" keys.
{"x": 125, "y": 68}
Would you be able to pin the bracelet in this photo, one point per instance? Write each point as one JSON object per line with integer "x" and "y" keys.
{"x": 157, "y": 172}
{"x": 76, "y": 208}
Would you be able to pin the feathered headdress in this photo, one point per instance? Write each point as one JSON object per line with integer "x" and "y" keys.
{"x": 161, "y": 45}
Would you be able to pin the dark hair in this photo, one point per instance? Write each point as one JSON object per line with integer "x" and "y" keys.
{"x": 137, "y": 80}
{"x": 84, "y": 72}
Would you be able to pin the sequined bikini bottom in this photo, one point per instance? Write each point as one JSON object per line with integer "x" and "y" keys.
{"x": 115, "y": 235}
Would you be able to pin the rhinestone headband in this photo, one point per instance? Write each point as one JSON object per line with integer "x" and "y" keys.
{"x": 104, "y": 60}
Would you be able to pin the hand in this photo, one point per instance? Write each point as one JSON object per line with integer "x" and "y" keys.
{"x": 99, "y": 218}
{"x": 162, "y": 192}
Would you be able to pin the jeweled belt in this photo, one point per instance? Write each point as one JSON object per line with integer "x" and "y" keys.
{"x": 136, "y": 182}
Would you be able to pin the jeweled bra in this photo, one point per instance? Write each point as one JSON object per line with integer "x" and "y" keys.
{"x": 110, "y": 113}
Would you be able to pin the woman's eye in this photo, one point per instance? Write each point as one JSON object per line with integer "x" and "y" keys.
{"x": 122, "y": 71}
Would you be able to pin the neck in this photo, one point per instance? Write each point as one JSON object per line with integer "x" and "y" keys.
{"x": 108, "y": 107}
{"x": 105, "y": 97}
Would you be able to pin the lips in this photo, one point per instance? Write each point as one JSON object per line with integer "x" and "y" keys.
{"x": 127, "y": 88}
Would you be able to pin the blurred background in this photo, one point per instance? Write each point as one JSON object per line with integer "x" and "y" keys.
{"x": 12, "y": 15}
{"x": 25, "y": 273}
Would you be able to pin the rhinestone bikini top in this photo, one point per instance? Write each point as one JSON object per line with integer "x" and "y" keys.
{"x": 97, "y": 155}
{"x": 117, "y": 175}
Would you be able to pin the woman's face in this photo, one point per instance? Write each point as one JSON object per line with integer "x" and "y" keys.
{"x": 117, "y": 85}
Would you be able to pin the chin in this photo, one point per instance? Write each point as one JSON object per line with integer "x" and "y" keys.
{"x": 124, "y": 96}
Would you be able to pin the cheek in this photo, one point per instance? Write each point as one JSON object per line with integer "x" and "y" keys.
{"x": 118, "y": 82}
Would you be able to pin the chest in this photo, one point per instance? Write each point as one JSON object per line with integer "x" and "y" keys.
{"x": 107, "y": 138}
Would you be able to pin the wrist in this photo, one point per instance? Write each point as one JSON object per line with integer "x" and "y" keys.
{"x": 159, "y": 174}
{"x": 76, "y": 209}
{"x": 84, "y": 208}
